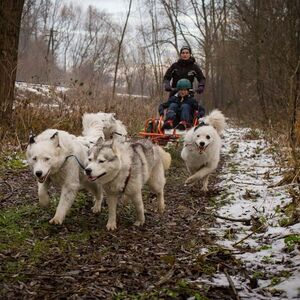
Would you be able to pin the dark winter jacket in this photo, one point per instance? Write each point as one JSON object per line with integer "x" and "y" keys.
{"x": 187, "y": 99}
{"x": 188, "y": 69}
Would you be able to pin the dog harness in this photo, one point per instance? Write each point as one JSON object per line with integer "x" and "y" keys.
{"x": 79, "y": 163}
{"x": 200, "y": 125}
{"x": 126, "y": 181}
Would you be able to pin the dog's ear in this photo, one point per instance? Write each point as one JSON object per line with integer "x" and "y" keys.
{"x": 31, "y": 139}
{"x": 112, "y": 117}
{"x": 55, "y": 139}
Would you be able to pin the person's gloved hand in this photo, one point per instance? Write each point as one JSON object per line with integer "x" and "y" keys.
{"x": 200, "y": 89}
{"x": 161, "y": 111}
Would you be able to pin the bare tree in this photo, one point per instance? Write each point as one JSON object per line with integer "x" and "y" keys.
{"x": 93, "y": 52}
{"x": 172, "y": 11}
{"x": 71, "y": 19}
{"x": 10, "y": 20}
{"x": 119, "y": 49}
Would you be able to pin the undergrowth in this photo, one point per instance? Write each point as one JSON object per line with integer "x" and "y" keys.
{"x": 33, "y": 114}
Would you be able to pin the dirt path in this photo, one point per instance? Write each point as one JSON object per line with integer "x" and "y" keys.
{"x": 81, "y": 260}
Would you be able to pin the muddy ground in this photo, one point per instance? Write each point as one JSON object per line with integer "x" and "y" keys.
{"x": 82, "y": 260}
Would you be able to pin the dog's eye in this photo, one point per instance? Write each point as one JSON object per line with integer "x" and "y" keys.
{"x": 208, "y": 137}
{"x": 198, "y": 135}
{"x": 101, "y": 161}
{"x": 34, "y": 158}
{"x": 46, "y": 158}
{"x": 89, "y": 159}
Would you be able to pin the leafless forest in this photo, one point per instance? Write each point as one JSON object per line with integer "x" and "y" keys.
{"x": 59, "y": 60}
{"x": 248, "y": 50}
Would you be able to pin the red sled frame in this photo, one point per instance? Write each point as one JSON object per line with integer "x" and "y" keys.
{"x": 154, "y": 131}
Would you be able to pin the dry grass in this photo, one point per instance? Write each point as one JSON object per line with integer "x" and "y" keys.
{"x": 34, "y": 113}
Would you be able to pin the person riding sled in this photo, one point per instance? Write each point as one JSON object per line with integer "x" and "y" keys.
{"x": 181, "y": 107}
{"x": 185, "y": 67}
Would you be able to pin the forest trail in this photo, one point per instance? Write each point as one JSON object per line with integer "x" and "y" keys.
{"x": 187, "y": 253}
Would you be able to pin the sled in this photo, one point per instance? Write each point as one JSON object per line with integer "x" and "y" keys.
{"x": 153, "y": 130}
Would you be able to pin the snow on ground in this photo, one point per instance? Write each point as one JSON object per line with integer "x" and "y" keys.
{"x": 39, "y": 89}
{"x": 46, "y": 95}
{"x": 49, "y": 90}
{"x": 135, "y": 96}
{"x": 270, "y": 254}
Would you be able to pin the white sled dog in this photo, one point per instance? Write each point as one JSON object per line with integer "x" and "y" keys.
{"x": 101, "y": 125}
{"x": 202, "y": 146}
{"x": 123, "y": 169}
{"x": 58, "y": 157}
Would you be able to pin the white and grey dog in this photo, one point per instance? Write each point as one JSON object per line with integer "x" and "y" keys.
{"x": 123, "y": 169}
{"x": 202, "y": 146}
{"x": 56, "y": 156}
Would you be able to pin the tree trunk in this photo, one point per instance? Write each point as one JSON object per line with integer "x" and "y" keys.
{"x": 258, "y": 59}
{"x": 119, "y": 50}
{"x": 10, "y": 21}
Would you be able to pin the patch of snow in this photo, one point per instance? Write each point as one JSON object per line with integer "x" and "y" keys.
{"x": 40, "y": 89}
{"x": 133, "y": 95}
{"x": 46, "y": 92}
{"x": 247, "y": 182}
{"x": 291, "y": 286}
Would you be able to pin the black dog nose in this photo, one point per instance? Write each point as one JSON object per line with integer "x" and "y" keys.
{"x": 38, "y": 173}
{"x": 88, "y": 171}
{"x": 202, "y": 144}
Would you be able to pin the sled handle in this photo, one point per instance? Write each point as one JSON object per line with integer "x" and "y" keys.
{"x": 160, "y": 122}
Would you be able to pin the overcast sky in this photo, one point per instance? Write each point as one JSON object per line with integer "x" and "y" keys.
{"x": 118, "y": 8}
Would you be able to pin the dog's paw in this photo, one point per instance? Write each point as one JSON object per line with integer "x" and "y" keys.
{"x": 204, "y": 189}
{"x": 111, "y": 226}
{"x": 161, "y": 208}
{"x": 139, "y": 223}
{"x": 96, "y": 208}
{"x": 56, "y": 221}
{"x": 189, "y": 181}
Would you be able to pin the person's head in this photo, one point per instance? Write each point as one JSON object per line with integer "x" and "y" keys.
{"x": 183, "y": 86}
{"x": 185, "y": 52}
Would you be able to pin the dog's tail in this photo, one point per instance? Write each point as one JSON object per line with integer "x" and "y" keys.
{"x": 217, "y": 120}
{"x": 165, "y": 157}
{"x": 91, "y": 125}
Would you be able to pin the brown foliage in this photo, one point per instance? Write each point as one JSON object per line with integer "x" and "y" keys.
{"x": 34, "y": 114}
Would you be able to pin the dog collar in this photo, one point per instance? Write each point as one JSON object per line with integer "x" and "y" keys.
{"x": 118, "y": 133}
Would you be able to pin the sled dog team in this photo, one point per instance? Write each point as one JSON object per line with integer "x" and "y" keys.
{"x": 103, "y": 159}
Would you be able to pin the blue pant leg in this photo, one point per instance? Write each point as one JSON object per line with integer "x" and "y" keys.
{"x": 172, "y": 111}
{"x": 186, "y": 113}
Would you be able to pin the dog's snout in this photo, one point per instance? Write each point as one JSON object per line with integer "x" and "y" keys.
{"x": 88, "y": 171}
{"x": 38, "y": 173}
{"x": 202, "y": 144}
